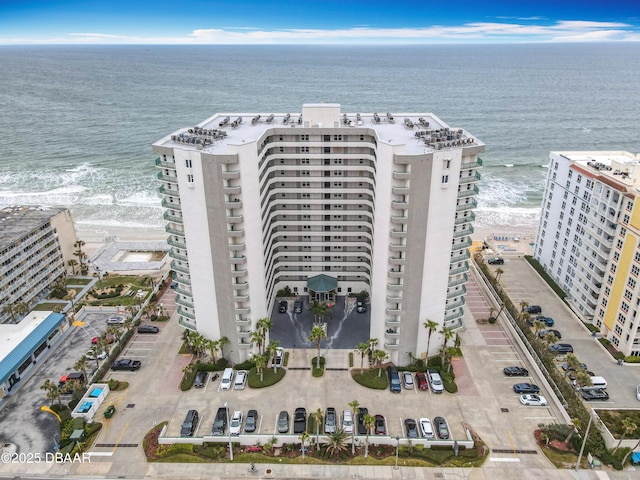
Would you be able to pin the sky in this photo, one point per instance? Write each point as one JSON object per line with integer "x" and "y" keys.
{"x": 316, "y": 21}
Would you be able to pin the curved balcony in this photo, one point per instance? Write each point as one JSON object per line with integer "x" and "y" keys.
{"x": 467, "y": 206}
{"x": 400, "y": 190}
{"x": 239, "y": 285}
{"x": 466, "y": 193}
{"x": 392, "y": 322}
{"x": 399, "y": 220}
{"x": 171, "y": 205}
{"x": 182, "y": 280}
{"x": 395, "y": 286}
{"x": 401, "y": 175}
{"x": 232, "y": 189}
{"x": 457, "y": 293}
{"x": 235, "y": 233}
{"x": 182, "y": 291}
{"x": 395, "y": 233}
{"x": 184, "y": 313}
{"x": 178, "y": 256}
{"x": 235, "y": 203}
{"x": 469, "y": 178}
{"x": 460, "y": 257}
{"x": 394, "y": 310}
{"x": 397, "y": 247}
{"x": 396, "y": 274}
{"x": 244, "y": 342}
{"x": 170, "y": 217}
{"x": 394, "y": 297}
{"x": 184, "y": 302}
{"x": 462, "y": 220}
{"x": 397, "y": 260}
{"x": 183, "y": 322}
{"x": 463, "y": 232}
{"x": 176, "y": 243}
{"x": 399, "y": 205}
{"x": 462, "y": 269}
{"x": 242, "y": 260}
{"x": 392, "y": 333}
{"x": 237, "y": 247}
{"x": 242, "y": 310}
{"x": 167, "y": 178}
{"x": 234, "y": 219}
{"x": 179, "y": 268}
{"x": 243, "y": 321}
{"x": 241, "y": 298}
{"x": 173, "y": 231}
{"x": 464, "y": 244}
{"x": 161, "y": 163}
{"x": 231, "y": 174}
{"x": 456, "y": 304}
{"x": 453, "y": 316}
{"x": 170, "y": 192}
{"x": 392, "y": 345}
{"x": 458, "y": 281}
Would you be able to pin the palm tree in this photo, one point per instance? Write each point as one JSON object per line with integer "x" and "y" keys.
{"x": 81, "y": 255}
{"x": 73, "y": 264}
{"x": 95, "y": 350}
{"x": 256, "y": 337}
{"x": 538, "y": 326}
{"x": 221, "y": 343}
{"x": 354, "y": 404}
{"x": 362, "y": 349}
{"x": 304, "y": 437}
{"x": 103, "y": 344}
{"x": 447, "y": 334}
{"x": 572, "y": 363}
{"x": 499, "y": 273}
{"x": 379, "y": 356}
{"x": 319, "y": 310}
{"x": 261, "y": 362}
{"x": 128, "y": 323}
{"x": 82, "y": 365}
{"x": 629, "y": 427}
{"x": 212, "y": 347}
{"x": 270, "y": 353}
{"x": 264, "y": 326}
{"x": 21, "y": 308}
{"x": 582, "y": 379}
{"x": 52, "y": 391}
{"x": 8, "y": 308}
{"x": 550, "y": 338}
{"x": 316, "y": 336}
{"x": 337, "y": 442}
{"x": 523, "y": 308}
{"x": 369, "y": 422}
{"x": 431, "y": 327}
{"x": 317, "y": 417}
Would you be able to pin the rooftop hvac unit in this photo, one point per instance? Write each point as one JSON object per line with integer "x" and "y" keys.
{"x": 286, "y": 118}
{"x": 389, "y": 117}
{"x": 300, "y": 120}
{"x": 376, "y": 118}
{"x": 358, "y": 117}
{"x": 408, "y": 122}
{"x": 423, "y": 122}
{"x": 255, "y": 119}
{"x": 269, "y": 118}
{"x": 224, "y": 122}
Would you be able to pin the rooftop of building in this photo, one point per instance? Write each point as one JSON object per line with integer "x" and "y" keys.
{"x": 619, "y": 169}
{"x": 18, "y": 340}
{"x": 418, "y": 132}
{"x": 15, "y": 222}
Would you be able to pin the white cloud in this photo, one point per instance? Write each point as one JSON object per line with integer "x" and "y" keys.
{"x": 478, "y": 32}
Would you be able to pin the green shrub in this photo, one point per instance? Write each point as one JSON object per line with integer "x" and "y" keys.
{"x": 246, "y": 365}
{"x": 370, "y": 379}
{"x": 269, "y": 378}
{"x": 350, "y": 359}
{"x": 632, "y": 359}
{"x": 435, "y": 362}
{"x": 178, "y": 448}
{"x": 317, "y": 372}
{"x": 591, "y": 327}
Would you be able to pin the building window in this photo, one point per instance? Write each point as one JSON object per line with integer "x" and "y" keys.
{"x": 190, "y": 178}
{"x": 445, "y": 179}
{"x": 188, "y": 163}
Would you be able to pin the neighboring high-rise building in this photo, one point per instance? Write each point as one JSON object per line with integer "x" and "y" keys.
{"x": 589, "y": 237}
{"x": 351, "y": 202}
{"x": 35, "y": 244}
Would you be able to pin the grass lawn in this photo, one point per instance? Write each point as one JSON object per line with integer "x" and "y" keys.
{"x": 136, "y": 282}
{"x": 48, "y": 306}
{"x": 317, "y": 372}
{"x": 613, "y": 421}
{"x": 269, "y": 378}
{"x": 78, "y": 281}
{"x": 370, "y": 378}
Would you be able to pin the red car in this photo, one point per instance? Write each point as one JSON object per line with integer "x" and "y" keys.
{"x": 421, "y": 380}
{"x": 110, "y": 339}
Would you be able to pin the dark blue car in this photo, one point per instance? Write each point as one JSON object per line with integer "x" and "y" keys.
{"x": 526, "y": 388}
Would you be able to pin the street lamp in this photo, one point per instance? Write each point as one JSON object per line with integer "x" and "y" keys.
{"x": 584, "y": 441}
{"x": 229, "y": 429}
{"x": 397, "y": 448}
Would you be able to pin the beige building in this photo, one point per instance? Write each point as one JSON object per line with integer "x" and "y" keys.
{"x": 358, "y": 201}
{"x": 35, "y": 245}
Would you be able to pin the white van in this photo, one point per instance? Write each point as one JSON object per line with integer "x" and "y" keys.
{"x": 347, "y": 421}
{"x": 597, "y": 383}
{"x": 227, "y": 378}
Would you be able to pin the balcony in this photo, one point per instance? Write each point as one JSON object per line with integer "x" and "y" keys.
{"x": 171, "y": 205}
{"x": 235, "y": 219}
{"x": 231, "y": 174}
{"x": 400, "y": 190}
{"x": 469, "y": 179}
{"x": 397, "y": 260}
{"x": 462, "y": 269}
{"x": 395, "y": 286}
{"x": 467, "y": 193}
{"x": 160, "y": 163}
{"x": 399, "y": 220}
{"x": 399, "y": 205}
{"x": 241, "y": 310}
{"x": 187, "y": 324}
{"x": 461, "y": 220}
{"x": 463, "y": 232}
{"x": 170, "y": 192}
{"x": 244, "y": 342}
{"x": 170, "y": 217}
{"x": 392, "y": 322}
{"x": 467, "y": 206}
{"x": 182, "y": 291}
{"x": 468, "y": 165}
{"x": 454, "y": 325}
{"x": 173, "y": 231}
{"x": 239, "y": 285}
{"x": 397, "y": 247}
{"x": 396, "y": 274}
{"x": 459, "y": 281}
{"x": 460, "y": 257}
{"x": 184, "y": 302}
{"x": 235, "y": 233}
{"x": 398, "y": 233}
{"x": 178, "y": 256}
{"x": 179, "y": 268}
{"x": 235, "y": 203}
{"x": 456, "y": 304}
{"x": 184, "y": 313}
{"x": 182, "y": 280}
{"x": 167, "y": 178}
{"x": 392, "y": 333}
{"x": 401, "y": 175}
{"x": 242, "y": 260}
{"x": 231, "y": 189}
{"x": 243, "y": 321}
{"x": 392, "y": 345}
{"x": 236, "y": 247}
{"x": 176, "y": 243}
{"x": 395, "y": 310}
{"x": 454, "y": 316}
{"x": 241, "y": 298}
{"x": 456, "y": 293}
{"x": 465, "y": 244}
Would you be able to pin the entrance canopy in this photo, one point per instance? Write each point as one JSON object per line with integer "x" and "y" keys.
{"x": 322, "y": 283}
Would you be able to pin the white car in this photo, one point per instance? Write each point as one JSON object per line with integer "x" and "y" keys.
{"x": 638, "y": 392}
{"x": 241, "y": 380}
{"x": 407, "y": 379}
{"x": 115, "y": 320}
{"x": 427, "y": 428}
{"x": 236, "y": 423}
{"x": 435, "y": 381}
{"x": 278, "y": 358}
{"x": 347, "y": 421}
{"x": 533, "y": 399}
{"x": 91, "y": 356}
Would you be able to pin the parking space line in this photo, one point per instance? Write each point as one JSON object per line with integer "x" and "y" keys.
{"x": 260, "y": 424}
{"x": 511, "y": 442}
{"x": 126, "y": 425}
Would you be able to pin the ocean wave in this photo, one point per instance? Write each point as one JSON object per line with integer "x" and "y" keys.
{"x": 140, "y": 198}
{"x": 508, "y": 217}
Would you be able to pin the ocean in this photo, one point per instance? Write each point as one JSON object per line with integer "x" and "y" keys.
{"x": 77, "y": 122}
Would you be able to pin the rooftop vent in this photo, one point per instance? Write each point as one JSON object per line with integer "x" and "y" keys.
{"x": 286, "y": 118}
{"x": 389, "y": 117}
{"x": 269, "y": 118}
{"x": 376, "y": 118}
{"x": 255, "y": 119}
{"x": 224, "y": 122}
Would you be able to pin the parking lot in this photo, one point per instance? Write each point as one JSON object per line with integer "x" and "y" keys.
{"x": 523, "y": 284}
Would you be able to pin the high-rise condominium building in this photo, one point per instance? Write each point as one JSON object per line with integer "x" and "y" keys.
{"x": 589, "y": 238}
{"x": 258, "y": 202}
{"x": 35, "y": 244}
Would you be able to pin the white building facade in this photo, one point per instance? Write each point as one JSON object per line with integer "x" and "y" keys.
{"x": 257, "y": 202}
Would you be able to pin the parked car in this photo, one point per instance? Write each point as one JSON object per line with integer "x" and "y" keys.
{"x": 362, "y": 429}
{"x": 495, "y": 261}
{"x": 411, "y": 428}
{"x": 297, "y": 306}
{"x": 565, "y": 366}
{"x": 110, "y": 339}
{"x": 361, "y": 305}
{"x": 236, "y": 423}
{"x": 426, "y": 427}
{"x": 548, "y": 321}
{"x": 115, "y": 320}
{"x": 251, "y": 423}
{"x": 190, "y": 424}
{"x": 533, "y": 309}
{"x": 407, "y": 379}
{"x": 126, "y": 364}
{"x": 544, "y": 333}
{"x": 148, "y": 329}
{"x": 598, "y": 394}
{"x": 560, "y": 348}
{"x": 638, "y": 392}
{"x": 90, "y": 355}
{"x": 515, "y": 372}
{"x": 421, "y": 380}
{"x": 380, "y": 428}
{"x": 442, "y": 429}
{"x": 278, "y": 358}
{"x": 241, "y": 380}
{"x": 533, "y": 400}
{"x": 394, "y": 379}
{"x": 347, "y": 421}
{"x": 283, "y": 422}
{"x": 201, "y": 379}
{"x": 220, "y": 422}
{"x": 300, "y": 420}
{"x": 283, "y": 306}
{"x": 526, "y": 388}
{"x": 330, "y": 420}
{"x": 436, "y": 381}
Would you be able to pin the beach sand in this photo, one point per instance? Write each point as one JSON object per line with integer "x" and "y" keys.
{"x": 95, "y": 238}
{"x": 506, "y": 240}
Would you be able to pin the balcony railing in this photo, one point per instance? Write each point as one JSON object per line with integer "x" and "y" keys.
{"x": 177, "y": 256}
{"x": 456, "y": 304}
{"x": 456, "y": 293}
{"x": 172, "y": 217}
{"x": 160, "y": 163}
{"x": 453, "y": 316}
{"x": 466, "y": 193}
{"x": 463, "y": 232}
{"x": 184, "y": 302}
{"x": 179, "y": 268}
{"x": 469, "y": 218}
{"x": 166, "y": 191}
{"x": 464, "y": 244}
{"x": 467, "y": 206}
{"x": 184, "y": 313}
{"x": 460, "y": 257}
{"x": 167, "y": 178}
{"x": 173, "y": 231}
{"x": 462, "y": 269}
{"x": 470, "y": 178}
{"x": 171, "y": 205}
{"x": 176, "y": 243}
{"x": 459, "y": 281}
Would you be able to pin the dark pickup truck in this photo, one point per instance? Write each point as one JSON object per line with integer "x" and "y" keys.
{"x": 126, "y": 364}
